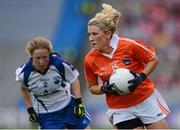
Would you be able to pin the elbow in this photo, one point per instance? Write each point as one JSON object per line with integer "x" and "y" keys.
{"x": 95, "y": 90}
{"x": 92, "y": 91}
{"x": 156, "y": 60}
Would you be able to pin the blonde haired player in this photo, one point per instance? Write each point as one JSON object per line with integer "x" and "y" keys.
{"x": 50, "y": 88}
{"x": 144, "y": 106}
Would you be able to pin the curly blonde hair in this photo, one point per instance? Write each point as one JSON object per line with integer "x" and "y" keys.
{"x": 107, "y": 19}
{"x": 38, "y": 43}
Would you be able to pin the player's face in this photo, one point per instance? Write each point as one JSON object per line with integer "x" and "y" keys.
{"x": 40, "y": 59}
{"x": 99, "y": 39}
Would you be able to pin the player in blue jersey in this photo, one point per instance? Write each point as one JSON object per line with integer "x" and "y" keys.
{"x": 51, "y": 89}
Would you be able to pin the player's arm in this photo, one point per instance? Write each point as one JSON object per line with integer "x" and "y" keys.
{"x": 146, "y": 54}
{"x": 139, "y": 78}
{"x": 27, "y": 99}
{"x": 26, "y": 96}
{"x": 106, "y": 88}
{"x": 75, "y": 88}
{"x": 79, "y": 109}
{"x": 93, "y": 84}
{"x": 94, "y": 88}
{"x": 150, "y": 66}
{"x": 148, "y": 57}
{"x": 71, "y": 74}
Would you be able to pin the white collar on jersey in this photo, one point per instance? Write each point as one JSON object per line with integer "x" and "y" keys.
{"x": 113, "y": 43}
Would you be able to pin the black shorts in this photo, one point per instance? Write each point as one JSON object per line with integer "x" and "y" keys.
{"x": 130, "y": 124}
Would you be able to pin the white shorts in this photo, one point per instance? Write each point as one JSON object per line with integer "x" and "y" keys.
{"x": 151, "y": 110}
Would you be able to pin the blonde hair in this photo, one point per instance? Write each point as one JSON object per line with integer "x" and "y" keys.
{"x": 38, "y": 43}
{"x": 107, "y": 19}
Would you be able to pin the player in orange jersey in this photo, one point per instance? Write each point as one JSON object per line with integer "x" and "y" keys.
{"x": 144, "y": 107}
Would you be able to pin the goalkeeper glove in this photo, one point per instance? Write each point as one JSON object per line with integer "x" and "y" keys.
{"x": 79, "y": 109}
{"x": 32, "y": 115}
{"x": 111, "y": 88}
{"x": 139, "y": 78}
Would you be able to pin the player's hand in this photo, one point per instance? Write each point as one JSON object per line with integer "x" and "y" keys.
{"x": 139, "y": 78}
{"x": 111, "y": 88}
{"x": 32, "y": 115}
{"x": 79, "y": 109}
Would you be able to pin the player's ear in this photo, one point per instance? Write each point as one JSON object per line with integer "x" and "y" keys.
{"x": 109, "y": 34}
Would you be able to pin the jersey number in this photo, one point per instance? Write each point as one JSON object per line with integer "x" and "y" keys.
{"x": 45, "y": 86}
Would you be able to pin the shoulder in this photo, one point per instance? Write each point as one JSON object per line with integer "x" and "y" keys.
{"x": 137, "y": 45}
{"x": 130, "y": 44}
{"x": 58, "y": 60}
{"x": 126, "y": 41}
{"x": 91, "y": 55}
{"x": 55, "y": 59}
{"x": 61, "y": 64}
{"x": 131, "y": 41}
{"x": 19, "y": 70}
{"x": 23, "y": 69}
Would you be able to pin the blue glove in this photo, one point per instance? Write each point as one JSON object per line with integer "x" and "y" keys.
{"x": 111, "y": 88}
{"x": 33, "y": 118}
{"x": 79, "y": 109}
{"x": 139, "y": 78}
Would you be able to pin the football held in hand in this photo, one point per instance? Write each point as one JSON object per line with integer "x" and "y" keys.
{"x": 120, "y": 78}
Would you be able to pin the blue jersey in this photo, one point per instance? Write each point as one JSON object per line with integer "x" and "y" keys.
{"x": 51, "y": 90}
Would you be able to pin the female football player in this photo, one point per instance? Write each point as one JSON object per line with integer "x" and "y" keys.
{"x": 144, "y": 107}
{"x": 53, "y": 83}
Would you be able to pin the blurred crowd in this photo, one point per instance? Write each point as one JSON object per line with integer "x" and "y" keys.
{"x": 157, "y": 23}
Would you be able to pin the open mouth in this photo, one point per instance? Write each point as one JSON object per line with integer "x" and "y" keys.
{"x": 93, "y": 44}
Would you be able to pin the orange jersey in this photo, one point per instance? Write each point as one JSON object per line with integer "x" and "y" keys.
{"x": 129, "y": 54}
